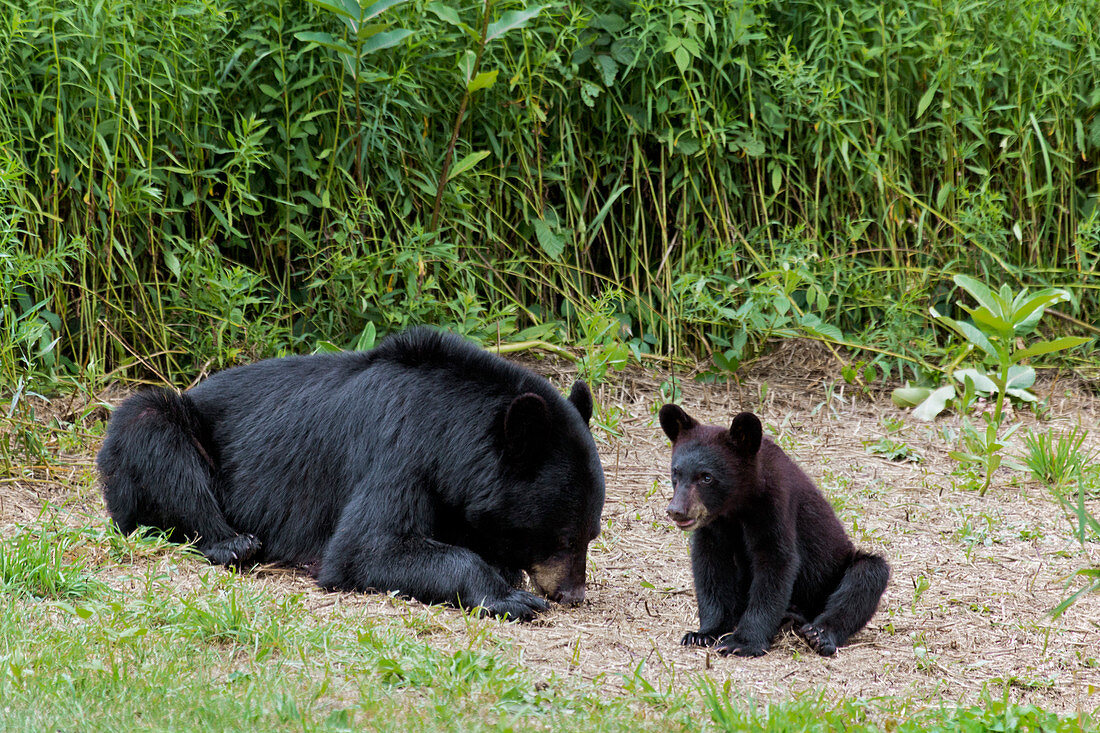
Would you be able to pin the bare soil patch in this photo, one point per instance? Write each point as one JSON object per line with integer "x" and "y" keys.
{"x": 974, "y": 578}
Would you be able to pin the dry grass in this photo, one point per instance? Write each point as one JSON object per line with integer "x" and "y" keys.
{"x": 973, "y": 578}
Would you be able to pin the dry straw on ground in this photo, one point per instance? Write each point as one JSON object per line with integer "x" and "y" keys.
{"x": 973, "y": 577}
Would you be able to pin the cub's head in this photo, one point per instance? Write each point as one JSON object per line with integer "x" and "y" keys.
{"x": 711, "y": 466}
{"x": 557, "y": 486}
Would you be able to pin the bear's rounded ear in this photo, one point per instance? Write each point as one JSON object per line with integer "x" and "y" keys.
{"x": 526, "y": 424}
{"x": 675, "y": 421}
{"x": 746, "y": 433}
{"x": 582, "y": 400}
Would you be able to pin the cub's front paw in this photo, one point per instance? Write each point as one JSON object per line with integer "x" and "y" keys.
{"x": 519, "y": 605}
{"x": 698, "y": 638}
{"x": 820, "y": 640}
{"x": 742, "y": 646}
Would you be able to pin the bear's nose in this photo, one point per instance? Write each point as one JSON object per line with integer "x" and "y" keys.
{"x": 569, "y": 596}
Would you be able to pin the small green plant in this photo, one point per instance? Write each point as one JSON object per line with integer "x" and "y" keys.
{"x": 1000, "y": 320}
{"x": 926, "y": 660}
{"x": 1087, "y": 529}
{"x": 893, "y": 450}
{"x": 921, "y": 583}
{"x": 669, "y": 391}
{"x": 1069, "y": 470}
{"x": 1056, "y": 460}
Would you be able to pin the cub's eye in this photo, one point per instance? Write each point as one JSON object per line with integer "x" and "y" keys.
{"x": 705, "y": 478}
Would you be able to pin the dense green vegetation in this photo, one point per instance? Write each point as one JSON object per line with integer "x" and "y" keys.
{"x": 189, "y": 184}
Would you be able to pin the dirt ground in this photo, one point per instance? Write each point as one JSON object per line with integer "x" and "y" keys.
{"x": 973, "y": 578}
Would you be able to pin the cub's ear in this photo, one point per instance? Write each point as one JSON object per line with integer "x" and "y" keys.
{"x": 581, "y": 399}
{"x": 746, "y": 433}
{"x": 526, "y": 428}
{"x": 675, "y": 421}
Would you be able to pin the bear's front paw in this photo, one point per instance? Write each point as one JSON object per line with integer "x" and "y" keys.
{"x": 698, "y": 638}
{"x": 820, "y": 640}
{"x": 519, "y": 605}
{"x": 742, "y": 646}
{"x": 235, "y": 551}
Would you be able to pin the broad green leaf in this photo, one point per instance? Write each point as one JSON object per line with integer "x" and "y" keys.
{"x": 814, "y": 325}
{"x": 989, "y": 321}
{"x": 608, "y": 69}
{"x": 384, "y": 40}
{"x": 926, "y": 98}
{"x": 935, "y": 403}
{"x": 1046, "y": 347}
{"x": 483, "y": 80}
{"x": 369, "y": 30}
{"x": 964, "y": 458}
{"x": 379, "y": 7}
{"x": 980, "y": 292}
{"x": 1020, "y": 377}
{"x": 348, "y": 9}
{"x": 367, "y": 338}
{"x": 171, "y": 261}
{"x": 447, "y": 14}
{"x": 466, "y": 65}
{"x": 611, "y": 23}
{"x": 1029, "y": 312}
{"x": 467, "y": 163}
{"x": 511, "y": 20}
{"x": 982, "y": 383}
{"x": 910, "y": 396}
{"x": 969, "y": 332}
{"x": 552, "y": 243}
{"x": 327, "y": 40}
{"x": 1023, "y": 395}
{"x": 682, "y": 58}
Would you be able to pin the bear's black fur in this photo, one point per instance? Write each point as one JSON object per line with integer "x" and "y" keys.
{"x": 426, "y": 466}
{"x": 766, "y": 546}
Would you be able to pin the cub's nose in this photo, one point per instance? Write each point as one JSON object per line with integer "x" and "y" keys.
{"x": 676, "y": 515}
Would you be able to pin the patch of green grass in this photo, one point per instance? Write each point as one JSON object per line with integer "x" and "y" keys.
{"x": 46, "y": 563}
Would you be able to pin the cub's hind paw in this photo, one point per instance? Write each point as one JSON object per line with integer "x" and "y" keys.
{"x": 237, "y": 550}
{"x": 819, "y": 639}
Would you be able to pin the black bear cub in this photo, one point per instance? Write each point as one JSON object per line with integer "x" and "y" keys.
{"x": 766, "y": 547}
{"x": 426, "y": 466}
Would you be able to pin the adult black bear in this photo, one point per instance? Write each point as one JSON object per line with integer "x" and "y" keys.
{"x": 426, "y": 466}
{"x": 766, "y": 547}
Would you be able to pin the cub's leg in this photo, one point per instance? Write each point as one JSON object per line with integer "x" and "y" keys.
{"x": 850, "y": 606}
{"x": 157, "y": 472}
{"x": 719, "y": 568}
